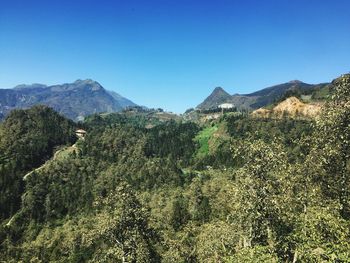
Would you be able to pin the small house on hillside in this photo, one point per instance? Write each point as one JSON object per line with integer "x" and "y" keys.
{"x": 80, "y": 133}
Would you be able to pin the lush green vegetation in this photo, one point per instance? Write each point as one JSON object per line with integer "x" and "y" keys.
{"x": 238, "y": 189}
{"x": 203, "y": 140}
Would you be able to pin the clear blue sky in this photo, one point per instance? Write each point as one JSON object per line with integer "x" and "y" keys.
{"x": 171, "y": 54}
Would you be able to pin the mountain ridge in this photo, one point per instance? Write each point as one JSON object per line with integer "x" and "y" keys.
{"x": 259, "y": 98}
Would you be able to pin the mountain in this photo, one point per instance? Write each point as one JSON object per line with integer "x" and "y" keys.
{"x": 264, "y": 96}
{"x": 74, "y": 100}
{"x": 217, "y": 97}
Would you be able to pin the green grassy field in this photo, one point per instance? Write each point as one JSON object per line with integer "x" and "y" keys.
{"x": 203, "y": 140}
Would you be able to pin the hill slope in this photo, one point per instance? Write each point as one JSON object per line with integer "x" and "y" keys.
{"x": 27, "y": 139}
{"x": 74, "y": 100}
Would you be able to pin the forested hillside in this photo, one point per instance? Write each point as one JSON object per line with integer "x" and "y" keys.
{"x": 234, "y": 189}
{"x": 27, "y": 139}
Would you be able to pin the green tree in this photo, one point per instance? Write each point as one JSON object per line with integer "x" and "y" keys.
{"x": 200, "y": 204}
{"x": 332, "y": 145}
{"x": 179, "y": 213}
{"x": 258, "y": 186}
{"x": 122, "y": 233}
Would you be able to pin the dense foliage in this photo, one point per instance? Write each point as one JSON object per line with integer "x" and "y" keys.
{"x": 27, "y": 139}
{"x": 236, "y": 189}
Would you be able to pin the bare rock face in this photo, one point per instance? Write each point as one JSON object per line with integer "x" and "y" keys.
{"x": 261, "y": 112}
{"x": 292, "y": 107}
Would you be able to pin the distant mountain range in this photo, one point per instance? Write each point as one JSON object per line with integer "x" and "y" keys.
{"x": 85, "y": 97}
{"x": 74, "y": 100}
{"x": 262, "y": 97}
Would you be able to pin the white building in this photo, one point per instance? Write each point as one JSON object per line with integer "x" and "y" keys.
{"x": 226, "y": 106}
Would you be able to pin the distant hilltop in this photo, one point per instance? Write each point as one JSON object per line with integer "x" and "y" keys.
{"x": 74, "y": 100}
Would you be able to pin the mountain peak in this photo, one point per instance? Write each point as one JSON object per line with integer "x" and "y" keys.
{"x": 219, "y": 90}
{"x": 295, "y": 81}
{"x": 88, "y": 82}
{"x": 84, "y": 81}
{"x": 217, "y": 97}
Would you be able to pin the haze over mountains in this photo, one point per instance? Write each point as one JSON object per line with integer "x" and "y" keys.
{"x": 259, "y": 98}
{"x": 74, "y": 100}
